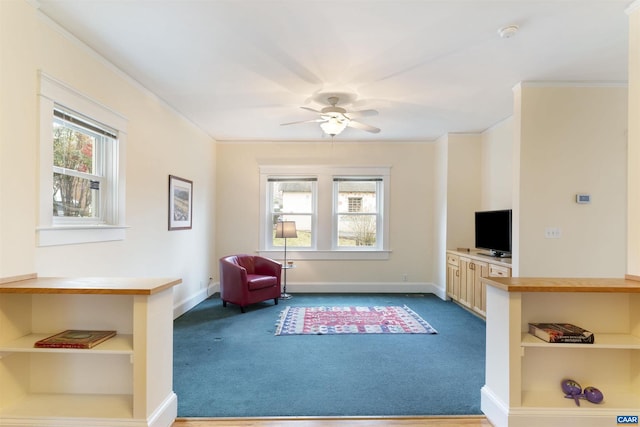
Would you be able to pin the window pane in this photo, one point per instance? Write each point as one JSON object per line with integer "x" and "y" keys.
{"x": 74, "y": 197}
{"x": 357, "y": 230}
{"x": 357, "y": 196}
{"x": 72, "y": 148}
{"x": 293, "y": 200}
{"x": 292, "y": 196}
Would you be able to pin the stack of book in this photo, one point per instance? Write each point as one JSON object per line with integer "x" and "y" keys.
{"x": 561, "y": 333}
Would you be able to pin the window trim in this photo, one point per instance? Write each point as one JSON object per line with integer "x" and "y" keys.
{"x": 103, "y": 175}
{"x": 49, "y": 233}
{"x": 268, "y": 241}
{"x": 324, "y": 249}
{"x": 379, "y": 214}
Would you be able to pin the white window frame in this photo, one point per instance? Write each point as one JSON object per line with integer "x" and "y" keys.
{"x": 268, "y": 240}
{"x": 62, "y": 231}
{"x": 379, "y": 214}
{"x": 325, "y": 247}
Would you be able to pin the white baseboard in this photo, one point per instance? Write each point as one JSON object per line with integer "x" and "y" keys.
{"x": 500, "y": 415}
{"x": 326, "y": 288}
{"x": 369, "y": 287}
{"x": 166, "y": 413}
{"x": 185, "y": 305}
{"x": 164, "y": 416}
{"x": 494, "y": 408}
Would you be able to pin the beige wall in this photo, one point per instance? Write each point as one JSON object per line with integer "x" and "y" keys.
{"x": 633, "y": 170}
{"x": 463, "y": 188}
{"x": 435, "y": 186}
{"x": 411, "y": 209}
{"x": 572, "y": 140}
{"x": 440, "y": 211}
{"x": 496, "y": 166}
{"x": 160, "y": 142}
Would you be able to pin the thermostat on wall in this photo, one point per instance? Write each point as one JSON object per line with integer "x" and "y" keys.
{"x": 583, "y": 198}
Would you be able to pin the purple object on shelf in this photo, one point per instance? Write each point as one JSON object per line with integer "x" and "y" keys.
{"x": 573, "y": 390}
{"x": 593, "y": 395}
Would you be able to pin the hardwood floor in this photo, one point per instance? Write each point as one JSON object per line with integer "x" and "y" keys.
{"x": 439, "y": 421}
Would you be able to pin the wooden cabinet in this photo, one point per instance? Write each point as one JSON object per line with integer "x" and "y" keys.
{"x": 479, "y": 270}
{"x": 125, "y": 381}
{"x": 453, "y": 276}
{"x": 523, "y": 373}
{"x": 464, "y": 273}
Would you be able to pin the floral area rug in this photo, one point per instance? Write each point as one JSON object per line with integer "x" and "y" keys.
{"x": 351, "y": 320}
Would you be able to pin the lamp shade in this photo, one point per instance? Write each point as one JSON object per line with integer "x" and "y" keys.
{"x": 286, "y": 229}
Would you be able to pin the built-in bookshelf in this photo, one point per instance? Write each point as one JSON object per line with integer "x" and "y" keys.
{"x": 523, "y": 372}
{"x": 125, "y": 380}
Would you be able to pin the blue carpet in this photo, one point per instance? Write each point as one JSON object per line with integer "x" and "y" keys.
{"x": 228, "y": 364}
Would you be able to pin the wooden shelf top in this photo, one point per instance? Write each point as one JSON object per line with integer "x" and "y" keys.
{"x": 31, "y": 284}
{"x": 481, "y": 256}
{"x": 552, "y": 284}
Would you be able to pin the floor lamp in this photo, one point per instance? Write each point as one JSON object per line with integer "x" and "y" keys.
{"x": 285, "y": 230}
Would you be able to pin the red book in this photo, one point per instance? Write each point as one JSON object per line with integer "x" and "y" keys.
{"x": 73, "y": 338}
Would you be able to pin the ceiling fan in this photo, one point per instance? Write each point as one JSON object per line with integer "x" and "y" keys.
{"x": 334, "y": 119}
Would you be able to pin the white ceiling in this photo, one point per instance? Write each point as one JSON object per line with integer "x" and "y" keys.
{"x": 239, "y": 69}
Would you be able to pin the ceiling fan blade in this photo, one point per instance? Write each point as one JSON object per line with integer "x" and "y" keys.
{"x": 303, "y": 121}
{"x": 363, "y": 126}
{"x": 362, "y": 113}
{"x": 311, "y": 109}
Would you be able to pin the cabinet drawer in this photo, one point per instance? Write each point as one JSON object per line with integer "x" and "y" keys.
{"x": 499, "y": 271}
{"x": 453, "y": 260}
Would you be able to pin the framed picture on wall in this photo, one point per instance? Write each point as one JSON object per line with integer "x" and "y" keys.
{"x": 180, "y": 203}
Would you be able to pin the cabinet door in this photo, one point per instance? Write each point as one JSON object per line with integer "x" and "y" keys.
{"x": 453, "y": 282}
{"x": 480, "y": 269}
{"x": 466, "y": 282}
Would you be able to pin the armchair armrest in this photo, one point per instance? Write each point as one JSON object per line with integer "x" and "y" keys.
{"x": 268, "y": 267}
{"x": 233, "y": 279}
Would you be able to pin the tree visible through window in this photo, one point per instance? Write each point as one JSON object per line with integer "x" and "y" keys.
{"x": 357, "y": 210}
{"x": 78, "y": 166}
{"x": 340, "y": 212}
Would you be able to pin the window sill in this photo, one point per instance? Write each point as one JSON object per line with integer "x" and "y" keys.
{"x": 338, "y": 255}
{"x": 76, "y": 234}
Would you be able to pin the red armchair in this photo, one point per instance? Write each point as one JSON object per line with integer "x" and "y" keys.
{"x": 248, "y": 279}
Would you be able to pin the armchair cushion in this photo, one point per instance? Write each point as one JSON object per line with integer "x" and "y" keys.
{"x": 257, "y": 281}
{"x": 248, "y": 279}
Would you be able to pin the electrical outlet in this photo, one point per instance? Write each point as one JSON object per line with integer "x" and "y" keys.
{"x": 552, "y": 233}
{"x": 405, "y": 277}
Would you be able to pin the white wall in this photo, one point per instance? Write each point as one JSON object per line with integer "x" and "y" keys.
{"x": 160, "y": 142}
{"x": 411, "y": 209}
{"x": 463, "y": 188}
{"x": 560, "y": 155}
{"x": 440, "y": 212}
{"x": 496, "y": 166}
{"x": 633, "y": 170}
{"x": 572, "y": 140}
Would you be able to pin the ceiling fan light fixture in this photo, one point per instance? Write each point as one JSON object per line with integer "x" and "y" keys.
{"x": 334, "y": 126}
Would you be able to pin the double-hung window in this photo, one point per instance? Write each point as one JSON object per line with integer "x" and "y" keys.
{"x": 340, "y": 212}
{"x": 81, "y": 179}
{"x": 357, "y": 211}
{"x": 292, "y": 199}
{"x": 82, "y": 165}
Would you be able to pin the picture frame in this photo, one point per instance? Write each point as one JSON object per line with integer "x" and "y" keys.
{"x": 180, "y": 203}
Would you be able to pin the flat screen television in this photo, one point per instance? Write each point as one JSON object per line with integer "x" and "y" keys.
{"x": 493, "y": 232}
